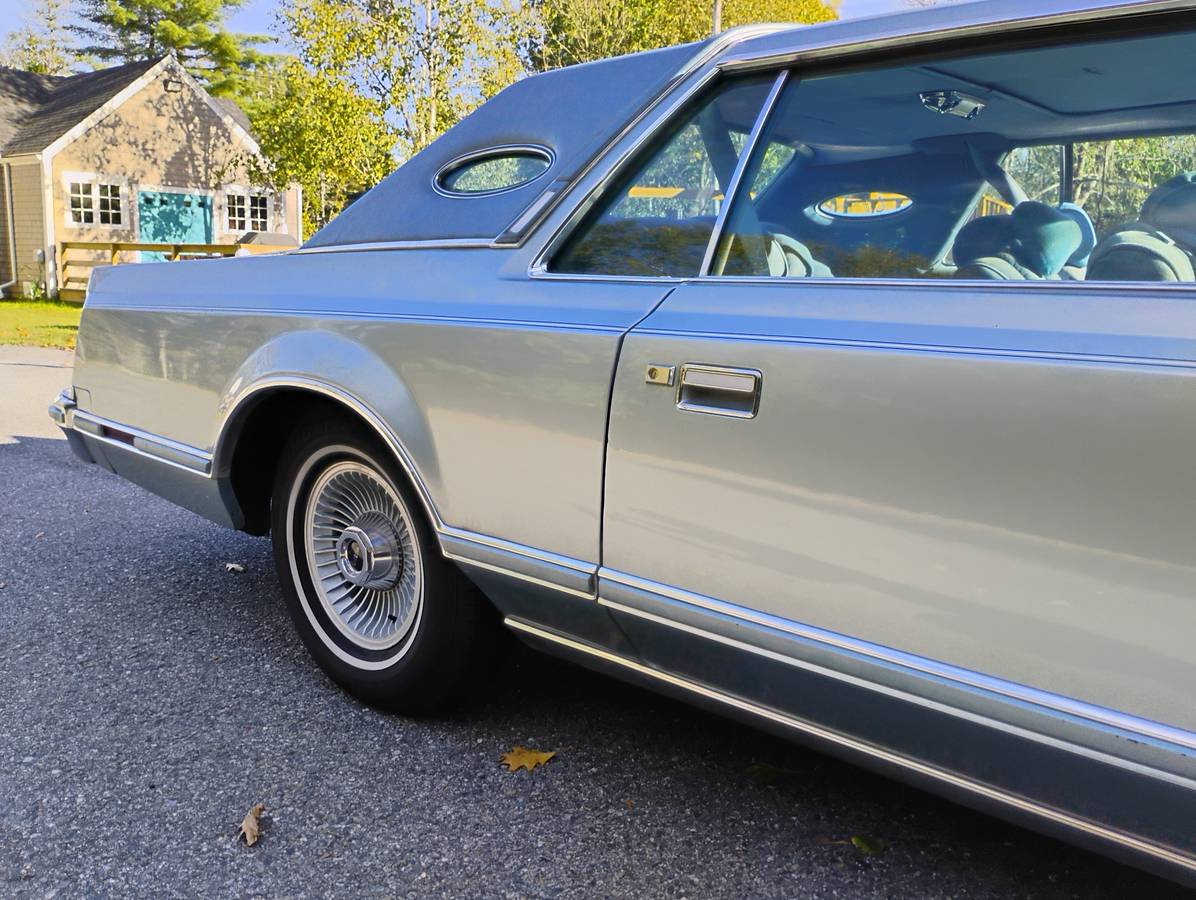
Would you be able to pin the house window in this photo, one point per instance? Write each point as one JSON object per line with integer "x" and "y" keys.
{"x": 257, "y": 213}
{"x": 110, "y": 208}
{"x": 237, "y": 217}
{"x": 246, "y": 211}
{"x": 82, "y": 203}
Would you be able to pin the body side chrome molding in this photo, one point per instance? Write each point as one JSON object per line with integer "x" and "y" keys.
{"x": 143, "y": 443}
{"x": 562, "y": 573}
{"x": 930, "y": 349}
{"x": 469, "y": 321}
{"x": 1079, "y": 709}
{"x": 1022, "y": 804}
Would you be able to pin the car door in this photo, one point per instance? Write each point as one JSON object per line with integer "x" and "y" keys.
{"x": 976, "y": 483}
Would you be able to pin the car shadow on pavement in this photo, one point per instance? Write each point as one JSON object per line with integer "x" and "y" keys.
{"x": 175, "y": 674}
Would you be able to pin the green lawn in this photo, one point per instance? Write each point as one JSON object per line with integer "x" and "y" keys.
{"x": 39, "y": 323}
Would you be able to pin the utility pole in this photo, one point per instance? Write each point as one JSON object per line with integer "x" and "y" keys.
{"x": 717, "y": 17}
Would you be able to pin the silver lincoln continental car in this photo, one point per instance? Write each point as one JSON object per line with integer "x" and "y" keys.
{"x": 838, "y": 378}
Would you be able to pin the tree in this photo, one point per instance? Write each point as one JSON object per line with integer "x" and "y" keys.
{"x": 124, "y": 31}
{"x": 428, "y": 63}
{"x": 576, "y": 31}
{"x": 319, "y": 133}
{"x": 41, "y": 45}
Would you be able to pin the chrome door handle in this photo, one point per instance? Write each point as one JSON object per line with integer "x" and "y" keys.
{"x": 719, "y": 390}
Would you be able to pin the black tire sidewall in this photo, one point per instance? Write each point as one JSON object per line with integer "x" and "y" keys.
{"x": 430, "y": 665}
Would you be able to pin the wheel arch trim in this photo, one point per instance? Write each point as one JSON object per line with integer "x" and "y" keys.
{"x": 238, "y": 408}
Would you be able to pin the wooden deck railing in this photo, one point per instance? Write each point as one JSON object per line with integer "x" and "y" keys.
{"x": 76, "y": 259}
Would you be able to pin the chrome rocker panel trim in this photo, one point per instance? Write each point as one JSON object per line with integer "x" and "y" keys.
{"x": 954, "y": 784}
{"x": 1169, "y": 736}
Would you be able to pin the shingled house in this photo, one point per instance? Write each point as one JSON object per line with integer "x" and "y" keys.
{"x": 140, "y": 153}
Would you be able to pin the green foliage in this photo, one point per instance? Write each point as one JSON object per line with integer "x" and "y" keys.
{"x": 121, "y": 31}
{"x": 1111, "y": 178}
{"x": 575, "y": 31}
{"x": 317, "y": 132}
{"x": 428, "y": 63}
{"x": 42, "y": 45}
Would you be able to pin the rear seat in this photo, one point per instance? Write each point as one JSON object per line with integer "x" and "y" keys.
{"x": 1158, "y": 247}
{"x": 1032, "y": 243}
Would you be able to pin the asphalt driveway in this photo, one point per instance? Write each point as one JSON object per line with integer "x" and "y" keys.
{"x": 148, "y": 698}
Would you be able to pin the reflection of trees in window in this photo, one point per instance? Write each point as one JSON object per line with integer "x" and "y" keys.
{"x": 1113, "y": 178}
{"x": 679, "y": 184}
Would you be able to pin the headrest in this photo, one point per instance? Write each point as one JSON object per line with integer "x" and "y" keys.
{"x": 1171, "y": 207}
{"x": 983, "y": 236}
{"x": 1087, "y": 234}
{"x": 1044, "y": 238}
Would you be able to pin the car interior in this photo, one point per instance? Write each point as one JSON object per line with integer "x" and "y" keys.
{"x": 1069, "y": 162}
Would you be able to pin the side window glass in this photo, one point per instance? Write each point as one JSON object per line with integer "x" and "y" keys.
{"x": 977, "y": 167}
{"x": 658, "y": 218}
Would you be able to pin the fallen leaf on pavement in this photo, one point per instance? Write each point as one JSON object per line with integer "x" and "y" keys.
{"x": 869, "y": 846}
{"x": 250, "y": 828}
{"x": 525, "y": 758}
{"x": 234, "y": 567}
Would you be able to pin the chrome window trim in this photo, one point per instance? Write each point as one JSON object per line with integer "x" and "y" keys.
{"x": 833, "y": 737}
{"x": 497, "y": 151}
{"x": 731, "y": 194}
{"x": 667, "y": 105}
{"x": 1110, "y": 718}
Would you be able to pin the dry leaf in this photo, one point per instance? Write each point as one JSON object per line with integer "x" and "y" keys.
{"x": 234, "y": 567}
{"x": 869, "y": 846}
{"x": 525, "y": 758}
{"x": 250, "y": 828}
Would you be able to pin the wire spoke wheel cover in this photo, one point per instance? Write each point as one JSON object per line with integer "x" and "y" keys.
{"x": 362, "y": 556}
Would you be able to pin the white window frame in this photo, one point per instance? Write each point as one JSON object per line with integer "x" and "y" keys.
{"x": 273, "y": 220}
{"x": 93, "y": 180}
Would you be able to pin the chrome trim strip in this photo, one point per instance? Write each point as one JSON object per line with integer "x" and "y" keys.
{"x": 745, "y": 157}
{"x": 1020, "y": 803}
{"x": 231, "y": 406}
{"x": 946, "y": 349}
{"x": 936, "y": 36}
{"x": 556, "y": 559}
{"x": 668, "y": 103}
{"x": 380, "y": 316}
{"x": 908, "y": 696}
{"x": 155, "y": 447}
{"x": 1079, "y": 287}
{"x": 1156, "y": 731}
{"x": 478, "y": 243}
{"x": 561, "y": 573}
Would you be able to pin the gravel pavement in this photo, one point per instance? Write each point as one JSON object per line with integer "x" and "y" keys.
{"x": 148, "y": 698}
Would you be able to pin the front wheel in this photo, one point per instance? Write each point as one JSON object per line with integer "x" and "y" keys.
{"x": 381, "y": 611}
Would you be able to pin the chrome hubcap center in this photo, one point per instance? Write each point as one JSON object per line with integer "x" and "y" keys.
{"x": 368, "y": 553}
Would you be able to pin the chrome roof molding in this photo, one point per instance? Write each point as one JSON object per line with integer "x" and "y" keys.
{"x": 981, "y": 18}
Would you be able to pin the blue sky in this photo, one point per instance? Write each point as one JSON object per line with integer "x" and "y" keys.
{"x": 258, "y": 15}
